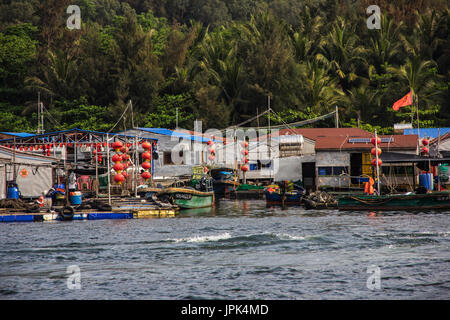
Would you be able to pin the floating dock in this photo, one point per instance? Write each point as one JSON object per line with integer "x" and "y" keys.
{"x": 123, "y": 210}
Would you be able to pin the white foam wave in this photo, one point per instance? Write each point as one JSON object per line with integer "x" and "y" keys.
{"x": 285, "y": 236}
{"x": 217, "y": 237}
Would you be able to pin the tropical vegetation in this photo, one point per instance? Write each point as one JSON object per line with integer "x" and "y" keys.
{"x": 219, "y": 60}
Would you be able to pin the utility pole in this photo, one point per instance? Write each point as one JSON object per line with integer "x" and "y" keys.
{"x": 337, "y": 117}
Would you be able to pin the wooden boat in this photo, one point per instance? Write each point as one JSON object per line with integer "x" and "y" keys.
{"x": 223, "y": 181}
{"x": 187, "y": 198}
{"x": 276, "y": 195}
{"x": 427, "y": 201}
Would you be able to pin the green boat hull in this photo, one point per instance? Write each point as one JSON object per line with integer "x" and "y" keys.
{"x": 435, "y": 200}
{"x": 190, "y": 199}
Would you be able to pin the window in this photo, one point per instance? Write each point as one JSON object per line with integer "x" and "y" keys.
{"x": 325, "y": 171}
{"x": 339, "y": 170}
{"x": 168, "y": 158}
{"x": 332, "y": 171}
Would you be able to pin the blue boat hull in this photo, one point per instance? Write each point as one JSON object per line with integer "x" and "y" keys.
{"x": 277, "y": 198}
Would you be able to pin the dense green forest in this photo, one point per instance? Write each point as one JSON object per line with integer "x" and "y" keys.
{"x": 219, "y": 60}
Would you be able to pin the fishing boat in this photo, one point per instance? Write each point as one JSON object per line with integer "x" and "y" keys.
{"x": 224, "y": 181}
{"x": 423, "y": 199}
{"x": 188, "y": 197}
{"x": 427, "y": 201}
{"x": 285, "y": 195}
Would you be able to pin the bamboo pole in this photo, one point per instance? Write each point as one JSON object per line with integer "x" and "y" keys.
{"x": 378, "y": 170}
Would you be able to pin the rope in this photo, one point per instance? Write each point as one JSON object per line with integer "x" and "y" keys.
{"x": 123, "y": 114}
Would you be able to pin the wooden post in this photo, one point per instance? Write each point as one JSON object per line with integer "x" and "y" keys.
{"x": 337, "y": 117}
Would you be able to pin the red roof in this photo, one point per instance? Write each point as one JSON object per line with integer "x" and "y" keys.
{"x": 316, "y": 133}
{"x": 401, "y": 142}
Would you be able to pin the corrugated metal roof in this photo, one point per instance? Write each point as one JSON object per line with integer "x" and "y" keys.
{"x": 178, "y": 134}
{"x": 341, "y": 143}
{"x": 427, "y": 132}
{"x": 74, "y": 130}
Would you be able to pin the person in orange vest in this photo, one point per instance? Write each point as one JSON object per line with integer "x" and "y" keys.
{"x": 368, "y": 186}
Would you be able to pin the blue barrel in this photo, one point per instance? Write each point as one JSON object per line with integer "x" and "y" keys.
{"x": 75, "y": 198}
{"x": 13, "y": 192}
{"x": 426, "y": 180}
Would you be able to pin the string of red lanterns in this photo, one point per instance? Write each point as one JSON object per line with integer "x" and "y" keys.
{"x": 244, "y": 152}
{"x": 146, "y": 163}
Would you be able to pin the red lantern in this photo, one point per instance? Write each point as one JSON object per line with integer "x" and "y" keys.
{"x": 209, "y": 142}
{"x": 424, "y": 150}
{"x": 373, "y": 151}
{"x": 373, "y": 141}
{"x": 117, "y": 145}
{"x": 245, "y": 144}
{"x": 244, "y": 168}
{"x": 147, "y": 156}
{"x": 374, "y": 162}
{"x": 244, "y": 152}
{"x": 118, "y": 167}
{"x": 211, "y": 149}
{"x": 124, "y": 149}
{"x": 146, "y": 165}
{"x": 119, "y": 178}
{"x": 146, "y": 145}
{"x": 425, "y": 142}
{"x": 211, "y": 157}
{"x": 125, "y": 157}
{"x": 116, "y": 158}
{"x": 48, "y": 153}
{"x": 146, "y": 175}
{"x": 36, "y": 148}
{"x": 245, "y": 160}
{"x": 125, "y": 174}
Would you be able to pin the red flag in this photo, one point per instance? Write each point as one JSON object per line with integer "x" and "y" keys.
{"x": 405, "y": 101}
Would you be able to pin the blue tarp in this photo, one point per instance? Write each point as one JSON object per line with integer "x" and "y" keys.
{"x": 19, "y": 134}
{"x": 427, "y": 132}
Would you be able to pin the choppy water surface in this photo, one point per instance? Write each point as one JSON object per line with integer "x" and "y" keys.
{"x": 237, "y": 250}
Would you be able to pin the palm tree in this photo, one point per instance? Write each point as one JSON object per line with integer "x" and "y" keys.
{"x": 384, "y": 43}
{"x": 59, "y": 76}
{"x": 341, "y": 53}
{"x": 318, "y": 90}
{"x": 419, "y": 75}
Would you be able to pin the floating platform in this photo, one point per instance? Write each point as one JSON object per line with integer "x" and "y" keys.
{"x": 141, "y": 213}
